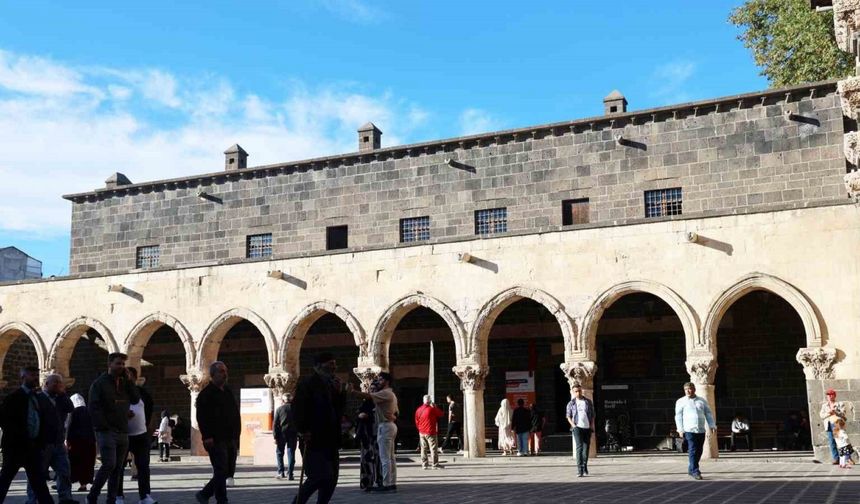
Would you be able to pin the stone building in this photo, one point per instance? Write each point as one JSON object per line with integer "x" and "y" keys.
{"x": 711, "y": 241}
{"x": 15, "y": 264}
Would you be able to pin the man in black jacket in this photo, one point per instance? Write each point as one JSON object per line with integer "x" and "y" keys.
{"x": 56, "y": 406}
{"x": 110, "y": 397}
{"x": 24, "y": 435}
{"x": 286, "y": 437}
{"x": 317, "y": 410}
{"x": 220, "y": 425}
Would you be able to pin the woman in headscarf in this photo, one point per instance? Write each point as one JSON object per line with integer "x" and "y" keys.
{"x": 504, "y": 417}
{"x": 82, "y": 444}
{"x": 370, "y": 474}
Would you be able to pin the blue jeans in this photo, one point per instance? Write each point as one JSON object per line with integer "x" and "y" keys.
{"x": 582, "y": 441}
{"x": 832, "y": 443}
{"x": 57, "y": 458}
{"x": 282, "y": 446}
{"x": 695, "y": 442}
{"x": 523, "y": 442}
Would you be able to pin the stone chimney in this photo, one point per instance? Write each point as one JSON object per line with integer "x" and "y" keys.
{"x": 369, "y": 138}
{"x": 235, "y": 158}
{"x": 614, "y": 103}
{"x": 116, "y": 180}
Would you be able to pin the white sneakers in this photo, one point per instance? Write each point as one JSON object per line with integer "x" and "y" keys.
{"x": 146, "y": 500}
{"x": 230, "y": 483}
{"x": 120, "y": 500}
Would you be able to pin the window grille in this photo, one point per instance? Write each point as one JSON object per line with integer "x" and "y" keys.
{"x": 147, "y": 257}
{"x": 414, "y": 229}
{"x": 663, "y": 202}
{"x": 491, "y": 221}
{"x": 259, "y": 246}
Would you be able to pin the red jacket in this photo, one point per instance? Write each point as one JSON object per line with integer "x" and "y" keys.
{"x": 427, "y": 419}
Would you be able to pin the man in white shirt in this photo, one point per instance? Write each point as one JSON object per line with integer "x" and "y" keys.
{"x": 691, "y": 414}
{"x": 741, "y": 428}
{"x": 580, "y": 416}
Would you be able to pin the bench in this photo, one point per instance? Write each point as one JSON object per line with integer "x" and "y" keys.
{"x": 491, "y": 434}
{"x": 763, "y": 434}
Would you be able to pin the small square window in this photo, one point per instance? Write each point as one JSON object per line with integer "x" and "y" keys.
{"x": 336, "y": 237}
{"x": 491, "y": 221}
{"x": 257, "y": 246}
{"x": 613, "y": 108}
{"x": 574, "y": 211}
{"x": 147, "y": 257}
{"x": 414, "y": 229}
{"x": 663, "y": 202}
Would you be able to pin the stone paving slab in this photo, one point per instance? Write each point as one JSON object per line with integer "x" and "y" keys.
{"x": 616, "y": 480}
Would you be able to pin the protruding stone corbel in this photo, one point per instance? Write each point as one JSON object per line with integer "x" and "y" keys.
{"x": 195, "y": 380}
{"x": 472, "y": 376}
{"x": 851, "y": 147}
{"x": 702, "y": 368}
{"x": 580, "y": 373}
{"x": 849, "y": 93}
{"x": 846, "y": 22}
{"x": 817, "y": 362}
{"x": 282, "y": 384}
{"x": 366, "y": 375}
{"x": 852, "y": 184}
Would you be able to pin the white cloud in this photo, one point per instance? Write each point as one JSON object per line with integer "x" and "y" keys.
{"x": 473, "y": 121}
{"x": 69, "y": 131}
{"x": 670, "y": 80}
{"x": 354, "y": 10}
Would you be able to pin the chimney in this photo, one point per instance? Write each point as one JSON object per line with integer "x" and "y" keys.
{"x": 614, "y": 103}
{"x": 235, "y": 158}
{"x": 116, "y": 180}
{"x": 369, "y": 138}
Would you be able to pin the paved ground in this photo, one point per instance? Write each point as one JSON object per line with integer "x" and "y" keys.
{"x": 622, "y": 479}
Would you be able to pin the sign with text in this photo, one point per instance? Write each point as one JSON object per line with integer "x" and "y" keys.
{"x": 256, "y": 411}
{"x": 520, "y": 385}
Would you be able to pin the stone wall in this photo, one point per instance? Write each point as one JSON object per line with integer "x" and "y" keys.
{"x": 21, "y": 353}
{"x": 743, "y": 155}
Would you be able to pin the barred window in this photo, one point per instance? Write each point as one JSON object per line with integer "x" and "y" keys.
{"x": 147, "y": 257}
{"x": 663, "y": 202}
{"x": 258, "y": 246}
{"x": 414, "y": 229}
{"x": 491, "y": 221}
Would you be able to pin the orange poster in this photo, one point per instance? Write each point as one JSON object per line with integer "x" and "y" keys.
{"x": 256, "y": 412}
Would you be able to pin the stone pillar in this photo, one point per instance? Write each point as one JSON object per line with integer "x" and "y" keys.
{"x": 195, "y": 381}
{"x": 818, "y": 365}
{"x": 472, "y": 384}
{"x": 282, "y": 384}
{"x": 366, "y": 375}
{"x": 582, "y": 373}
{"x": 702, "y": 367}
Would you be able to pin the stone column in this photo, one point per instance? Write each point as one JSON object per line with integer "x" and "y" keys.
{"x": 582, "y": 373}
{"x": 366, "y": 375}
{"x": 818, "y": 365}
{"x": 195, "y": 381}
{"x": 702, "y": 368}
{"x": 472, "y": 384}
{"x": 282, "y": 384}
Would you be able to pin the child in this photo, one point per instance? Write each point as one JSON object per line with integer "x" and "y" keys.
{"x": 842, "y": 443}
{"x": 165, "y": 435}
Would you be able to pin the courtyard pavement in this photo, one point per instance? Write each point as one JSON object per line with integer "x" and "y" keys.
{"x": 760, "y": 477}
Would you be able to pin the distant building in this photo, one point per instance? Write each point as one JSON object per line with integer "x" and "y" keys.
{"x": 17, "y": 265}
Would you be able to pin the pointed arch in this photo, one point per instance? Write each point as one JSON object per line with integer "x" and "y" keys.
{"x": 291, "y": 344}
{"x": 60, "y": 355}
{"x": 762, "y": 281}
{"x": 689, "y": 321}
{"x": 495, "y": 306}
{"x": 207, "y": 350}
{"x": 140, "y": 334}
{"x": 11, "y": 331}
{"x": 381, "y": 339}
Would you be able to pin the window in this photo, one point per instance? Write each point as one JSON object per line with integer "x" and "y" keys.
{"x": 574, "y": 211}
{"x": 663, "y": 202}
{"x": 336, "y": 237}
{"x": 147, "y": 257}
{"x": 258, "y": 246}
{"x": 492, "y": 221}
{"x": 414, "y": 229}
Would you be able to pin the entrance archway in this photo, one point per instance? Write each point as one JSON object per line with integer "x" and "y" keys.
{"x": 20, "y": 346}
{"x": 80, "y": 353}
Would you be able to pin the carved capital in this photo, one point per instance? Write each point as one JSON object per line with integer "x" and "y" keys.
{"x": 852, "y": 184}
{"x": 282, "y": 384}
{"x": 702, "y": 368}
{"x": 846, "y": 22}
{"x": 817, "y": 362}
{"x": 471, "y": 376}
{"x": 194, "y": 380}
{"x": 851, "y": 147}
{"x": 580, "y": 373}
{"x": 366, "y": 375}
{"x": 849, "y": 93}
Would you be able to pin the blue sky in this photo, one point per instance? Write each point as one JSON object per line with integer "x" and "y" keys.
{"x": 154, "y": 90}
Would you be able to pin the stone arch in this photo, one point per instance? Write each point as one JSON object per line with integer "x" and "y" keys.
{"x": 140, "y": 334}
{"x": 761, "y": 281}
{"x": 64, "y": 345}
{"x": 495, "y": 306}
{"x": 688, "y": 318}
{"x": 381, "y": 339}
{"x": 10, "y": 332}
{"x": 291, "y": 344}
{"x": 207, "y": 350}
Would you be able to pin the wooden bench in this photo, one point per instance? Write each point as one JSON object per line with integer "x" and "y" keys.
{"x": 491, "y": 435}
{"x": 763, "y": 434}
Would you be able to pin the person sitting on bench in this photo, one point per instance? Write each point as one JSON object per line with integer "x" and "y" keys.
{"x": 741, "y": 428}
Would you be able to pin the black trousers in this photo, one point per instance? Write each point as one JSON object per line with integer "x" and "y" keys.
{"x": 454, "y": 427}
{"x": 222, "y": 455}
{"x": 31, "y": 459}
{"x": 743, "y": 435}
{"x": 138, "y": 446}
{"x": 322, "y": 468}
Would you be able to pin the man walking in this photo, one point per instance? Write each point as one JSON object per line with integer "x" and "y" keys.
{"x": 454, "y": 424}
{"x": 21, "y": 419}
{"x": 110, "y": 397}
{"x": 139, "y": 442}
{"x": 386, "y": 416}
{"x": 580, "y": 416}
{"x": 286, "y": 437}
{"x": 521, "y": 424}
{"x": 220, "y": 425}
{"x": 56, "y": 406}
{"x": 691, "y": 414}
{"x": 317, "y": 409}
{"x": 427, "y": 420}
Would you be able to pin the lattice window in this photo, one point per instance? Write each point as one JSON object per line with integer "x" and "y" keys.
{"x": 259, "y": 246}
{"x": 491, "y": 221}
{"x": 663, "y": 202}
{"x": 147, "y": 257}
{"x": 414, "y": 229}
